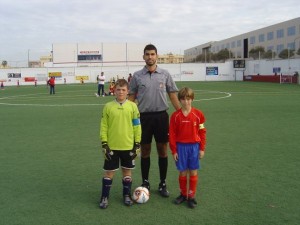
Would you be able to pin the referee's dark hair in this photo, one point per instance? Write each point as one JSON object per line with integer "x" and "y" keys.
{"x": 150, "y": 47}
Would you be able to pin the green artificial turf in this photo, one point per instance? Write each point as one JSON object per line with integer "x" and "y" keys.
{"x": 51, "y": 161}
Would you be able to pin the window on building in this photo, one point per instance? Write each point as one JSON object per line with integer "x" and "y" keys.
{"x": 261, "y": 38}
{"x": 291, "y": 31}
{"x": 291, "y": 46}
{"x": 280, "y": 33}
{"x": 279, "y": 48}
{"x": 252, "y": 40}
{"x": 233, "y": 44}
{"x": 271, "y": 48}
{"x": 270, "y": 36}
{"x": 239, "y": 43}
{"x": 89, "y": 57}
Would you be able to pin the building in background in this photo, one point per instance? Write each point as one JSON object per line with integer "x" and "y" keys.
{"x": 96, "y": 54}
{"x": 275, "y": 38}
{"x": 45, "y": 59}
{"x": 34, "y": 64}
{"x": 170, "y": 58}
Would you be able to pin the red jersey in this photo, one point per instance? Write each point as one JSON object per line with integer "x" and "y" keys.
{"x": 51, "y": 81}
{"x": 187, "y": 129}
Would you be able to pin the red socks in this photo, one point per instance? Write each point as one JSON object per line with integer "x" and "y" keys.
{"x": 183, "y": 185}
{"x": 192, "y": 186}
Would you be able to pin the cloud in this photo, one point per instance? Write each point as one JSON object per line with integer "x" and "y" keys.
{"x": 172, "y": 25}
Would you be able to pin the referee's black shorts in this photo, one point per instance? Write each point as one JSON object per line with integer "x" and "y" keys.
{"x": 155, "y": 124}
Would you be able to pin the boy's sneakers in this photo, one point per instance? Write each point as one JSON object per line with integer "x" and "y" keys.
{"x": 162, "y": 188}
{"x": 103, "y": 203}
{"x": 146, "y": 184}
{"x": 127, "y": 200}
{"x": 180, "y": 199}
{"x": 192, "y": 203}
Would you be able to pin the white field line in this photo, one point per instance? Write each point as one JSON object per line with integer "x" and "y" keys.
{"x": 226, "y": 95}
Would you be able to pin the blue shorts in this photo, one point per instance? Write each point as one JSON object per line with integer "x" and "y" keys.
{"x": 188, "y": 156}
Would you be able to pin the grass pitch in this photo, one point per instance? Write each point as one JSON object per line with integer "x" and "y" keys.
{"x": 51, "y": 161}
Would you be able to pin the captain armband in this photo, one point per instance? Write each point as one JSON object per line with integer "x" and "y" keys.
{"x": 201, "y": 126}
{"x": 136, "y": 122}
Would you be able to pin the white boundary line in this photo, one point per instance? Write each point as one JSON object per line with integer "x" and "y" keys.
{"x": 227, "y": 95}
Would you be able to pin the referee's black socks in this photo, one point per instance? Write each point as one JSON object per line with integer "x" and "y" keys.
{"x": 145, "y": 167}
{"x": 163, "y": 168}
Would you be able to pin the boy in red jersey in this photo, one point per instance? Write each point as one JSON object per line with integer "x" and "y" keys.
{"x": 187, "y": 143}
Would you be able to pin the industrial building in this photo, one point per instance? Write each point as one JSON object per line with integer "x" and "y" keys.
{"x": 285, "y": 35}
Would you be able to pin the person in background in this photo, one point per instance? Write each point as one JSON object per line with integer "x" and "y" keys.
{"x": 111, "y": 90}
{"x": 51, "y": 83}
{"x": 101, "y": 82}
{"x": 129, "y": 78}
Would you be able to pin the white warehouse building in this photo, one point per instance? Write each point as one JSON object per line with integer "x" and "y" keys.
{"x": 285, "y": 35}
{"x": 96, "y": 54}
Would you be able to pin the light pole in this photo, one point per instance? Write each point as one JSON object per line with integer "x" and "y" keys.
{"x": 295, "y": 46}
{"x": 296, "y": 50}
{"x": 289, "y": 60}
{"x": 28, "y": 58}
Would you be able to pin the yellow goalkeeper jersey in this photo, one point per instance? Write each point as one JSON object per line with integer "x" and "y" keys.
{"x": 120, "y": 125}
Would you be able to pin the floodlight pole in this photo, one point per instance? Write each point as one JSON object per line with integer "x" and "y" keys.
{"x": 295, "y": 43}
{"x": 295, "y": 51}
{"x": 289, "y": 60}
{"x": 28, "y": 58}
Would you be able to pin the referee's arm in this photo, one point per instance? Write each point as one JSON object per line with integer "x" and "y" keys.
{"x": 174, "y": 100}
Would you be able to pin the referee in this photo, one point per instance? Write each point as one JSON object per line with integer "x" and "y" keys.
{"x": 150, "y": 86}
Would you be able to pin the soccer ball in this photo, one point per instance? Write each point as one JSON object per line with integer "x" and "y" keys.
{"x": 140, "y": 195}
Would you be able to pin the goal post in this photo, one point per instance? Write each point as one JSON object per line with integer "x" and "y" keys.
{"x": 286, "y": 79}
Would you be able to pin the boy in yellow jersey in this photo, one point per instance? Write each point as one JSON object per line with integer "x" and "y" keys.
{"x": 120, "y": 134}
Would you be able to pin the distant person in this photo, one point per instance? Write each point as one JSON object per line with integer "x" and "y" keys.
{"x": 129, "y": 78}
{"x": 150, "y": 86}
{"x": 51, "y": 83}
{"x": 101, "y": 82}
{"x": 111, "y": 90}
{"x": 187, "y": 143}
{"x": 120, "y": 134}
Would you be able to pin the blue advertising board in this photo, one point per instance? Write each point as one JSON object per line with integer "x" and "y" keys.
{"x": 213, "y": 70}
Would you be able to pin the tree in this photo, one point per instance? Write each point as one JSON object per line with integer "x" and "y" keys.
{"x": 223, "y": 55}
{"x": 4, "y": 63}
{"x": 257, "y": 52}
{"x": 269, "y": 54}
{"x": 298, "y": 52}
{"x": 286, "y": 53}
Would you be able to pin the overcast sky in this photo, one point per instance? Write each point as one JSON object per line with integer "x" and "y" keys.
{"x": 172, "y": 25}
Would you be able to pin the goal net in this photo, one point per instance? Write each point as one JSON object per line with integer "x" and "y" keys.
{"x": 286, "y": 79}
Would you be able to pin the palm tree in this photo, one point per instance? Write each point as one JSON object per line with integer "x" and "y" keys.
{"x": 4, "y": 63}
